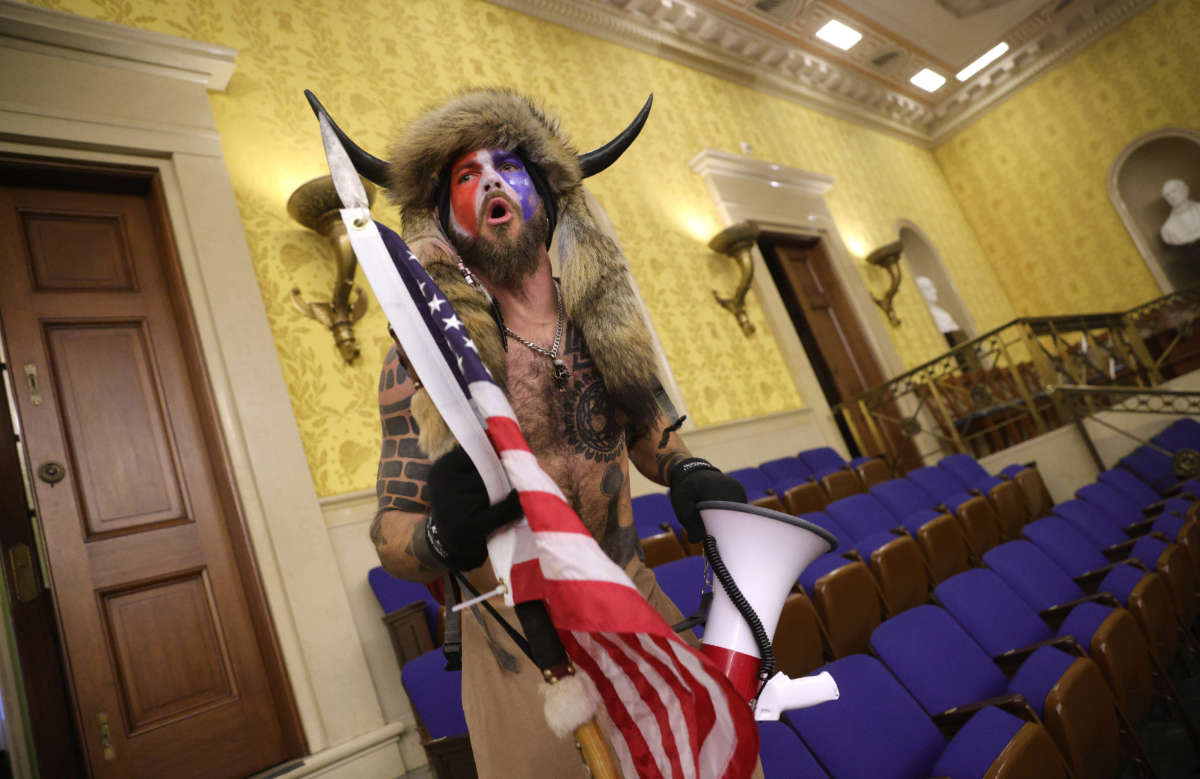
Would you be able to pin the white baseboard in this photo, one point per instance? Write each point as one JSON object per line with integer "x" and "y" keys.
{"x": 374, "y": 755}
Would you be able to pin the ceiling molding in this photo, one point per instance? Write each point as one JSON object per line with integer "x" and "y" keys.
{"x": 1021, "y": 67}
{"x": 695, "y": 35}
{"x": 92, "y": 40}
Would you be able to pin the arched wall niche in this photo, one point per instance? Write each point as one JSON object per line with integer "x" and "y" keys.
{"x": 922, "y": 259}
{"x": 1135, "y": 184}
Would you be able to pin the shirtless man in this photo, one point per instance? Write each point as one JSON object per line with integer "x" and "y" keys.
{"x": 433, "y": 515}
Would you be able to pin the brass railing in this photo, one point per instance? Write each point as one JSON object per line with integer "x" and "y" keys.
{"x": 994, "y": 391}
{"x": 1080, "y": 403}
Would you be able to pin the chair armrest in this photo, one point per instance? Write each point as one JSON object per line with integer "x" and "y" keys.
{"x": 1139, "y": 528}
{"x": 1060, "y": 610}
{"x": 1014, "y": 657}
{"x": 1013, "y": 703}
{"x": 1092, "y": 578}
{"x": 1118, "y": 552}
{"x": 1154, "y": 508}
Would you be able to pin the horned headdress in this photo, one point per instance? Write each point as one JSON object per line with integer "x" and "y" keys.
{"x": 597, "y": 290}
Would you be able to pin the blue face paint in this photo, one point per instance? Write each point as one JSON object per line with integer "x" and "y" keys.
{"x": 513, "y": 171}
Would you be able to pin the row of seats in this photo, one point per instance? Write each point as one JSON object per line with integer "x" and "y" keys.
{"x": 1067, "y": 614}
{"x": 1071, "y": 616}
{"x": 796, "y": 485}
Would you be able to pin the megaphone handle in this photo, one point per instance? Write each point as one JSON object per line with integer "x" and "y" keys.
{"x": 766, "y": 664}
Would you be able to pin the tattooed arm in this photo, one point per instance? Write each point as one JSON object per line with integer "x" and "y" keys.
{"x": 398, "y": 530}
{"x": 653, "y": 451}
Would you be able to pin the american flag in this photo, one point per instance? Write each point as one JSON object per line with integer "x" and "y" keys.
{"x": 674, "y": 713}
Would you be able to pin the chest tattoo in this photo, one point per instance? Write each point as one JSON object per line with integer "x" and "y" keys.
{"x": 589, "y": 419}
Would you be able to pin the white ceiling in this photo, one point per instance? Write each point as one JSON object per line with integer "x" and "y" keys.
{"x": 932, "y": 26}
{"x": 770, "y": 45}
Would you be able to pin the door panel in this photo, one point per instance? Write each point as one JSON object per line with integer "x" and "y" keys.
{"x": 157, "y": 618}
{"x": 125, "y": 468}
{"x": 76, "y": 251}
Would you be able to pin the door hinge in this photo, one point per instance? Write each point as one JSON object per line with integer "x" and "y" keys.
{"x": 31, "y": 378}
{"x": 24, "y": 575}
{"x": 105, "y": 736}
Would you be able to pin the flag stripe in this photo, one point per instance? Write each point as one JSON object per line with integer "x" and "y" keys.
{"x": 658, "y": 694}
{"x": 595, "y": 664}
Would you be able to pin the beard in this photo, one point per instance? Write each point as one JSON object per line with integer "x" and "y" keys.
{"x": 512, "y": 254}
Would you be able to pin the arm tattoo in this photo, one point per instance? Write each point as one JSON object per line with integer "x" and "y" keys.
{"x": 418, "y": 548}
{"x": 400, "y": 483}
{"x": 665, "y": 460}
{"x": 403, "y": 467}
{"x": 620, "y": 543}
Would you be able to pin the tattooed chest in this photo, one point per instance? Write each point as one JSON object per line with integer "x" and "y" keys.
{"x": 574, "y": 430}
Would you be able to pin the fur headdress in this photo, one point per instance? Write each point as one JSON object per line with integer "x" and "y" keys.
{"x": 597, "y": 290}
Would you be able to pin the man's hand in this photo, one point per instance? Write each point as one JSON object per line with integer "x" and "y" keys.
{"x": 694, "y": 480}
{"x": 460, "y": 518}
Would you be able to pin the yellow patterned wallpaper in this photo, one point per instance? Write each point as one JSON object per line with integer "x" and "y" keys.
{"x": 1032, "y": 175}
{"x": 376, "y": 64}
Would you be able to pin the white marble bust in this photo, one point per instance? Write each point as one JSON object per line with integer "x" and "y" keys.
{"x": 1183, "y": 224}
{"x": 941, "y": 317}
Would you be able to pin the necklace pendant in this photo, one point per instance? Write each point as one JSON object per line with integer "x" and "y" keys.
{"x": 560, "y": 374}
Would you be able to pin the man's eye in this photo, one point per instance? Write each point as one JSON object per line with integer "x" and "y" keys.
{"x": 509, "y": 166}
{"x": 464, "y": 178}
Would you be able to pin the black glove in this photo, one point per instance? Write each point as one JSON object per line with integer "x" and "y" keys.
{"x": 695, "y": 480}
{"x": 460, "y": 518}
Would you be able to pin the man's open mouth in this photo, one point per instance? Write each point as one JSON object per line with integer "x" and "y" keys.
{"x": 497, "y": 211}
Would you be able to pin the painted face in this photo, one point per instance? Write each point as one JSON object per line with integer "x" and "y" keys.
{"x": 486, "y": 188}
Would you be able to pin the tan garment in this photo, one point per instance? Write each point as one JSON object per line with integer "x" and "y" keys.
{"x": 509, "y": 735}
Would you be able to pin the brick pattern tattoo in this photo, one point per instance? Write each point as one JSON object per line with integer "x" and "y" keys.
{"x": 400, "y": 483}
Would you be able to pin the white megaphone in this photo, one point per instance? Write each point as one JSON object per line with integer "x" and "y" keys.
{"x": 764, "y": 552}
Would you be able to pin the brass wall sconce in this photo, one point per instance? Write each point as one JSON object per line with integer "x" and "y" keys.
{"x": 888, "y": 258}
{"x": 736, "y": 241}
{"x": 315, "y": 205}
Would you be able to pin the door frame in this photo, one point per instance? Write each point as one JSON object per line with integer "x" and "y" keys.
{"x": 95, "y": 92}
{"x": 791, "y": 202}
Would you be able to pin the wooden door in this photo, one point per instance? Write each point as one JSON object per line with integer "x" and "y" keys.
{"x": 824, "y": 318}
{"x": 171, "y": 660}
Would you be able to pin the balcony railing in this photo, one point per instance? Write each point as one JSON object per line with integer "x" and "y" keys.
{"x": 995, "y": 391}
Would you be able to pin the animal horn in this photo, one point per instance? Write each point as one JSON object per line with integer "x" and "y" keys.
{"x": 367, "y": 164}
{"x": 595, "y": 161}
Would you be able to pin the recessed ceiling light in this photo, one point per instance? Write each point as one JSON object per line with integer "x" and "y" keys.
{"x": 992, "y": 55}
{"x": 928, "y": 80}
{"x": 838, "y": 34}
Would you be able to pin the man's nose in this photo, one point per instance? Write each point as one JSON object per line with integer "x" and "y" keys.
{"x": 491, "y": 179}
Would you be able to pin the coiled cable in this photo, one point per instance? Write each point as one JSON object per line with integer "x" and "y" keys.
{"x": 766, "y": 663}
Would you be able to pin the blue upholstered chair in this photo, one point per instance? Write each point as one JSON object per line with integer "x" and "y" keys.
{"x": 904, "y": 743}
{"x": 945, "y": 668}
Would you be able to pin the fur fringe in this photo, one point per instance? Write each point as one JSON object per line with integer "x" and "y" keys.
{"x": 471, "y": 120}
{"x": 599, "y": 298}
